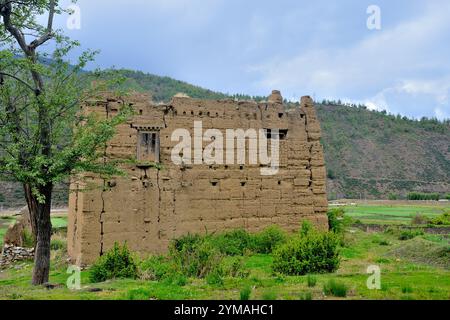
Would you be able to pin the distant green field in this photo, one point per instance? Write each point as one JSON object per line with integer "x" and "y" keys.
{"x": 5, "y": 222}
{"x": 392, "y": 214}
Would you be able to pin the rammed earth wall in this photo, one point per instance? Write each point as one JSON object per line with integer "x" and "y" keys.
{"x": 147, "y": 208}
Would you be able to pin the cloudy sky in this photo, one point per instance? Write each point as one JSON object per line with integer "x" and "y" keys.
{"x": 321, "y": 48}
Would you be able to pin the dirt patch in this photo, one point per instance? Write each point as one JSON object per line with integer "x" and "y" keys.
{"x": 422, "y": 251}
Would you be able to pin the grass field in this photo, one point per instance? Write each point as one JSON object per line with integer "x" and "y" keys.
{"x": 393, "y": 214}
{"x": 6, "y": 221}
{"x": 418, "y": 268}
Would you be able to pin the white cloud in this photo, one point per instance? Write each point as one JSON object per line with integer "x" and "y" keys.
{"x": 396, "y": 60}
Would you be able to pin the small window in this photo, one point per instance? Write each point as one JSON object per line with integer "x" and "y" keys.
{"x": 149, "y": 145}
{"x": 281, "y": 133}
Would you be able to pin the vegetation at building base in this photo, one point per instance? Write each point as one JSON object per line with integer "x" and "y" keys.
{"x": 417, "y": 268}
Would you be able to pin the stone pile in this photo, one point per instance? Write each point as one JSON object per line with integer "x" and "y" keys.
{"x": 12, "y": 254}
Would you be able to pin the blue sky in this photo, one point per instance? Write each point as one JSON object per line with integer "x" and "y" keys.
{"x": 319, "y": 48}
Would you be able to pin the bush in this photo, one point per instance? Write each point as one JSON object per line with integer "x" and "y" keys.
{"x": 57, "y": 244}
{"x": 155, "y": 268}
{"x": 234, "y": 267}
{"x": 392, "y": 196}
{"x": 266, "y": 241}
{"x": 312, "y": 252}
{"x": 419, "y": 219}
{"x": 233, "y": 243}
{"x": 333, "y": 288}
{"x": 423, "y": 196}
{"x": 195, "y": 256}
{"x": 441, "y": 220}
{"x": 245, "y": 293}
{"x": 447, "y": 196}
{"x": 336, "y": 220}
{"x": 28, "y": 239}
{"x": 410, "y": 234}
{"x": 115, "y": 264}
{"x": 215, "y": 278}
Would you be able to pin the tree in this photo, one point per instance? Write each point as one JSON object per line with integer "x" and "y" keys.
{"x": 44, "y": 138}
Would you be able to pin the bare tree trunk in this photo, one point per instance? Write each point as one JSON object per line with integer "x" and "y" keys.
{"x": 32, "y": 209}
{"x": 41, "y": 212}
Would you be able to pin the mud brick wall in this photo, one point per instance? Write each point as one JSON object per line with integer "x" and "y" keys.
{"x": 147, "y": 208}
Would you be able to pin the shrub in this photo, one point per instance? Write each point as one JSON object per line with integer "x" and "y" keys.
{"x": 442, "y": 220}
{"x": 410, "y": 234}
{"x": 306, "y": 228}
{"x": 268, "y": 239}
{"x": 311, "y": 280}
{"x": 155, "y": 268}
{"x": 392, "y": 196}
{"x": 234, "y": 267}
{"x": 312, "y": 252}
{"x": 116, "y": 263}
{"x": 196, "y": 257}
{"x": 187, "y": 242}
{"x": 333, "y": 288}
{"x": 28, "y": 239}
{"x": 179, "y": 279}
{"x": 245, "y": 293}
{"x": 447, "y": 196}
{"x": 336, "y": 220}
{"x": 233, "y": 243}
{"x": 423, "y": 196}
{"x": 419, "y": 219}
{"x": 57, "y": 244}
{"x": 215, "y": 278}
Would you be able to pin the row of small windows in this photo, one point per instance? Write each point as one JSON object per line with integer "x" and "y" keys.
{"x": 247, "y": 115}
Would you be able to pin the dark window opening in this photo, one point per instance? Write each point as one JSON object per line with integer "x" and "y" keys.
{"x": 280, "y": 115}
{"x": 149, "y": 146}
{"x": 282, "y": 134}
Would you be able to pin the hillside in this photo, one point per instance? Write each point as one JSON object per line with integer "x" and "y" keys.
{"x": 368, "y": 154}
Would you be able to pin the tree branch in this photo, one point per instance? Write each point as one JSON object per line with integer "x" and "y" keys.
{"x": 18, "y": 79}
{"x": 48, "y": 33}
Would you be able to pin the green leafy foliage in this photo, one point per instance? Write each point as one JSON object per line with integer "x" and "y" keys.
{"x": 311, "y": 281}
{"x": 410, "y": 234}
{"x": 267, "y": 240}
{"x": 334, "y": 288}
{"x": 117, "y": 263}
{"x": 245, "y": 293}
{"x": 194, "y": 256}
{"x": 155, "y": 268}
{"x": 336, "y": 220}
{"x": 311, "y": 252}
{"x": 233, "y": 242}
{"x": 423, "y": 196}
{"x": 441, "y": 220}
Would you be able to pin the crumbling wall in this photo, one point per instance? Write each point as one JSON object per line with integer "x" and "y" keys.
{"x": 147, "y": 208}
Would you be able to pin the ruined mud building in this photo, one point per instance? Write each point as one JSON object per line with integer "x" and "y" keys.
{"x": 149, "y": 207}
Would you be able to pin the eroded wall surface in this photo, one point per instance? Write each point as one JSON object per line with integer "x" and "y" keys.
{"x": 149, "y": 207}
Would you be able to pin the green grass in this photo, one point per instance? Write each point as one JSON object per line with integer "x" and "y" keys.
{"x": 392, "y": 214}
{"x": 405, "y": 274}
{"x": 5, "y": 222}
